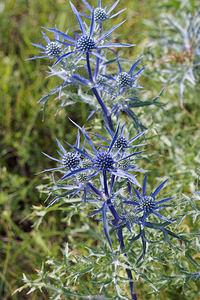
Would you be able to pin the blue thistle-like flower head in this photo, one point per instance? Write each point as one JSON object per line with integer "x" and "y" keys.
{"x": 148, "y": 204}
{"x": 53, "y": 49}
{"x": 100, "y": 14}
{"x": 85, "y": 43}
{"x": 103, "y": 161}
{"x": 70, "y": 160}
{"x": 124, "y": 79}
{"x": 121, "y": 143}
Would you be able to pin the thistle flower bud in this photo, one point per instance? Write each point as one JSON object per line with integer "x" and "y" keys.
{"x": 100, "y": 80}
{"x": 53, "y": 49}
{"x": 87, "y": 163}
{"x": 124, "y": 79}
{"x": 85, "y": 43}
{"x": 104, "y": 161}
{"x": 100, "y": 14}
{"x": 82, "y": 177}
{"x": 124, "y": 164}
{"x": 131, "y": 217}
{"x": 148, "y": 204}
{"x": 121, "y": 142}
{"x": 70, "y": 160}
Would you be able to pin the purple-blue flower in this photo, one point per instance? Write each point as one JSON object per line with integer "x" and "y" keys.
{"x": 126, "y": 79}
{"x": 101, "y": 14}
{"x": 147, "y": 203}
{"x": 107, "y": 162}
{"x": 53, "y": 49}
{"x": 122, "y": 142}
{"x": 69, "y": 160}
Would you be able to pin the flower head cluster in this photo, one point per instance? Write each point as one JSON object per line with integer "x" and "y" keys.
{"x": 103, "y": 161}
{"x": 121, "y": 146}
{"x": 106, "y": 160}
{"x": 86, "y": 42}
{"x": 70, "y": 160}
{"x": 88, "y": 49}
{"x": 121, "y": 142}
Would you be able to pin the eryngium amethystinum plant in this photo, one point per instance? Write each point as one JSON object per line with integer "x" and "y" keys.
{"x": 177, "y": 59}
{"x": 101, "y": 169}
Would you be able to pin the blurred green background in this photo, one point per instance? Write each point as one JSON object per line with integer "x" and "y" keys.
{"x": 175, "y": 149}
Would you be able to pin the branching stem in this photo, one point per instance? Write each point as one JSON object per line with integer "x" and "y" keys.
{"x": 88, "y": 66}
{"x": 94, "y": 90}
{"x": 104, "y": 109}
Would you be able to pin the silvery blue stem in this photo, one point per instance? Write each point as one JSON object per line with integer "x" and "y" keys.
{"x": 98, "y": 59}
{"x": 113, "y": 211}
{"x": 105, "y": 183}
{"x": 88, "y": 66}
{"x": 107, "y": 117}
{"x": 105, "y": 111}
{"x": 122, "y": 246}
{"x": 128, "y": 271}
{"x": 97, "y": 65}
